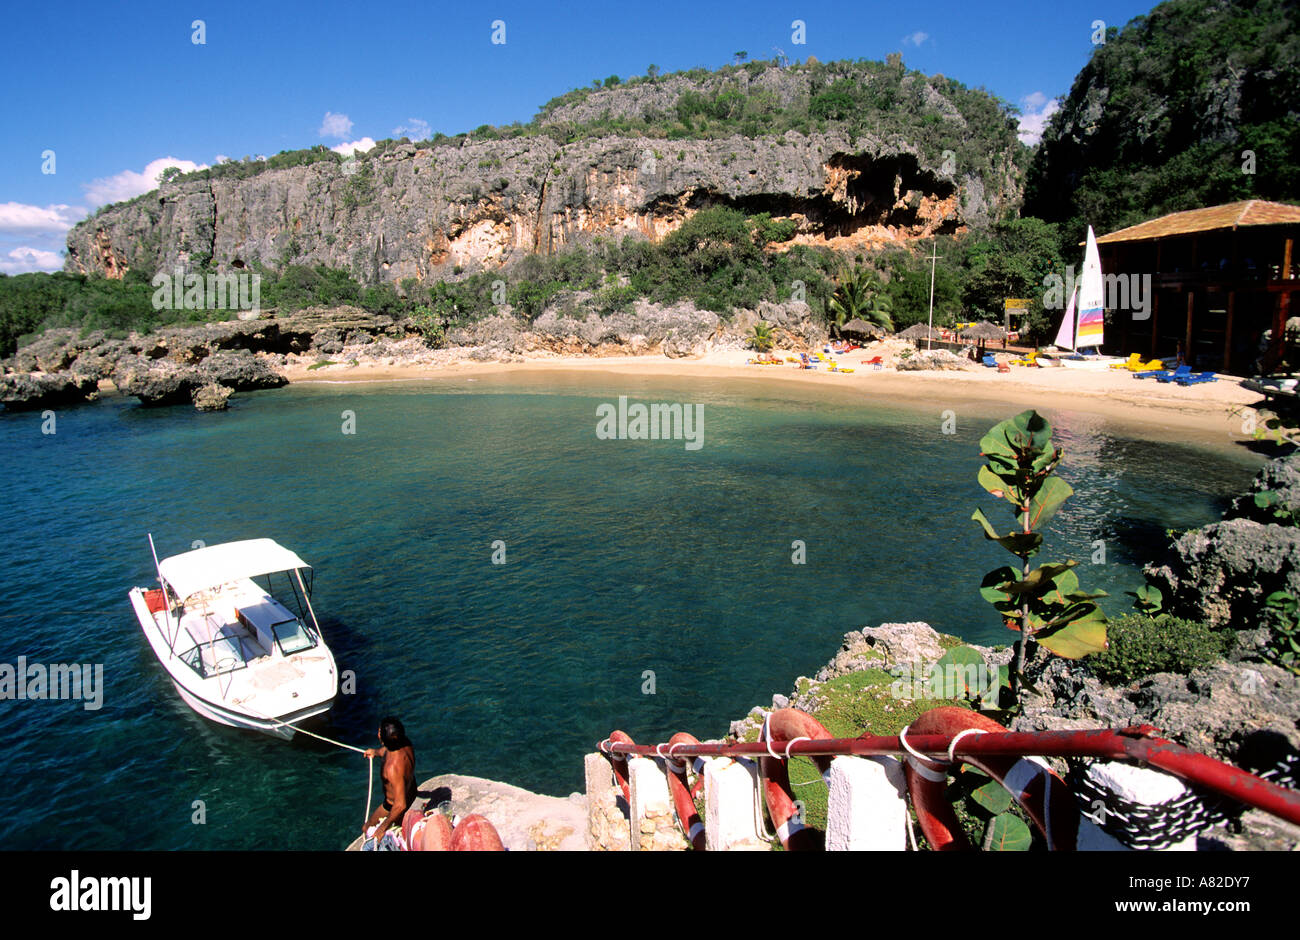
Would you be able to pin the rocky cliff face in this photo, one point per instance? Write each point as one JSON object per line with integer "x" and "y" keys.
{"x": 433, "y": 211}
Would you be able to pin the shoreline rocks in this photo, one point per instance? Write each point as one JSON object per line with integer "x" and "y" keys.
{"x": 169, "y": 365}
{"x": 1221, "y": 573}
{"x": 34, "y": 391}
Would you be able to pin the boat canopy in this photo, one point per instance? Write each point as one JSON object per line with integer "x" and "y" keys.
{"x": 209, "y": 567}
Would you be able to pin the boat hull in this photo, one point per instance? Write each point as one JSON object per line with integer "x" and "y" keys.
{"x": 278, "y": 728}
{"x": 231, "y": 714}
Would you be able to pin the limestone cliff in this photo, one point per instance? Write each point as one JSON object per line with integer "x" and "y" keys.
{"x": 464, "y": 204}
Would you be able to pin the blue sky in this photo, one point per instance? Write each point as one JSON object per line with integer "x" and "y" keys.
{"x": 119, "y": 90}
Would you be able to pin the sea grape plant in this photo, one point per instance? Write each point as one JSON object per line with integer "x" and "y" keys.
{"x": 1045, "y": 604}
{"x": 1281, "y": 609}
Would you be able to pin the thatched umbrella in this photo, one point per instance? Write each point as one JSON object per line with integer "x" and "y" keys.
{"x": 863, "y": 327}
{"x": 918, "y": 331}
{"x": 983, "y": 330}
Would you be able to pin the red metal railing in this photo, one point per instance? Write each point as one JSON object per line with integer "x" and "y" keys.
{"x": 1139, "y": 744}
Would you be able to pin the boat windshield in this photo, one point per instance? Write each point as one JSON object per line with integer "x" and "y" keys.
{"x": 292, "y": 636}
{"x": 213, "y": 659}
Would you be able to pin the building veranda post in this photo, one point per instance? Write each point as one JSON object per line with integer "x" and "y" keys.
{"x": 1220, "y": 278}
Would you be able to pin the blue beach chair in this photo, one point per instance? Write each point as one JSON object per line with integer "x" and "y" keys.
{"x": 1197, "y": 379}
{"x": 1155, "y": 373}
{"x": 1181, "y": 372}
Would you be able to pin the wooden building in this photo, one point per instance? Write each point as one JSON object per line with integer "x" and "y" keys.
{"x": 1219, "y": 278}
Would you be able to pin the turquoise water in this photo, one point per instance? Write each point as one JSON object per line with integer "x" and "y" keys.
{"x": 621, "y": 556}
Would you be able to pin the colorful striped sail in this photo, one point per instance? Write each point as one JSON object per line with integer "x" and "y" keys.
{"x": 1091, "y": 298}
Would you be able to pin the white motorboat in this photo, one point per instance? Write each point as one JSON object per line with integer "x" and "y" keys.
{"x": 235, "y": 652}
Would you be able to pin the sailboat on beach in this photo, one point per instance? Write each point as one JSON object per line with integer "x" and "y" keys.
{"x": 1083, "y": 325}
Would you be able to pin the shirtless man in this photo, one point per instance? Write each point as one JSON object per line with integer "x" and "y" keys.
{"x": 399, "y": 780}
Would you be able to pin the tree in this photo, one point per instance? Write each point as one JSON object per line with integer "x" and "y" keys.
{"x": 1045, "y": 604}
{"x": 762, "y": 338}
{"x": 652, "y": 72}
{"x": 741, "y": 56}
{"x": 1012, "y": 263}
{"x": 859, "y": 293}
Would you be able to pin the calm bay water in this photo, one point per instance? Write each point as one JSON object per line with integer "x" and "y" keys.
{"x": 622, "y": 556}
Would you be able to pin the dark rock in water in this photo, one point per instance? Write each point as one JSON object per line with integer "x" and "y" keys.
{"x": 166, "y": 383}
{"x": 21, "y": 391}
{"x": 1222, "y": 572}
{"x": 241, "y": 371}
{"x": 211, "y": 397}
{"x": 1282, "y": 478}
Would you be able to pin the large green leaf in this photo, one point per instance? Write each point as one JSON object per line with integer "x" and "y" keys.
{"x": 1083, "y": 633}
{"x": 993, "y": 796}
{"x": 1033, "y": 429}
{"x": 1043, "y": 505}
{"x": 993, "y": 695}
{"x": 1023, "y": 544}
{"x": 1044, "y": 578}
{"x": 997, "y": 584}
{"x": 994, "y": 443}
{"x": 962, "y": 657}
{"x": 996, "y": 484}
{"x": 1007, "y": 833}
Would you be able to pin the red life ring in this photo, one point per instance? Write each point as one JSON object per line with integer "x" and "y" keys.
{"x": 786, "y": 725}
{"x": 619, "y": 762}
{"x": 1042, "y": 794}
{"x": 475, "y": 834}
{"x": 678, "y": 785}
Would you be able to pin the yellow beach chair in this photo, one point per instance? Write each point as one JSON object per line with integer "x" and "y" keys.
{"x": 1155, "y": 365}
{"x": 1134, "y": 360}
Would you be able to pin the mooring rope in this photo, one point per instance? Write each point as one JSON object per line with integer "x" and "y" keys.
{"x": 370, "y": 770}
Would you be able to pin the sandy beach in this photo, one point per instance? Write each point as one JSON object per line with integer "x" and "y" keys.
{"x": 1166, "y": 410}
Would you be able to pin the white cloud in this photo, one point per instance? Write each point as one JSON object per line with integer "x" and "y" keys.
{"x": 335, "y": 125}
{"x": 916, "y": 38}
{"x": 1036, "y": 110}
{"x": 355, "y": 146}
{"x": 129, "y": 184}
{"x": 18, "y": 218}
{"x": 23, "y": 260}
{"x": 414, "y": 128}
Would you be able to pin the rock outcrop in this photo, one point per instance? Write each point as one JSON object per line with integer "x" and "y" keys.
{"x": 212, "y": 397}
{"x": 167, "y": 383}
{"x": 1221, "y": 573}
{"x": 482, "y": 201}
{"x": 33, "y": 391}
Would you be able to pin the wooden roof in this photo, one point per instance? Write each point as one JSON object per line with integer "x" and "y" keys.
{"x": 1230, "y": 216}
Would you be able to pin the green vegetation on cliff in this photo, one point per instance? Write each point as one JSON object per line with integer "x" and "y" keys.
{"x": 885, "y": 100}
{"x": 715, "y": 260}
{"x": 1195, "y": 104}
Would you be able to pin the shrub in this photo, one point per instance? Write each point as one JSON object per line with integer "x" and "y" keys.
{"x": 1142, "y": 646}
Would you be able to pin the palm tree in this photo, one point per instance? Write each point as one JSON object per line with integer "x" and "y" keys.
{"x": 762, "y": 338}
{"x": 859, "y": 293}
